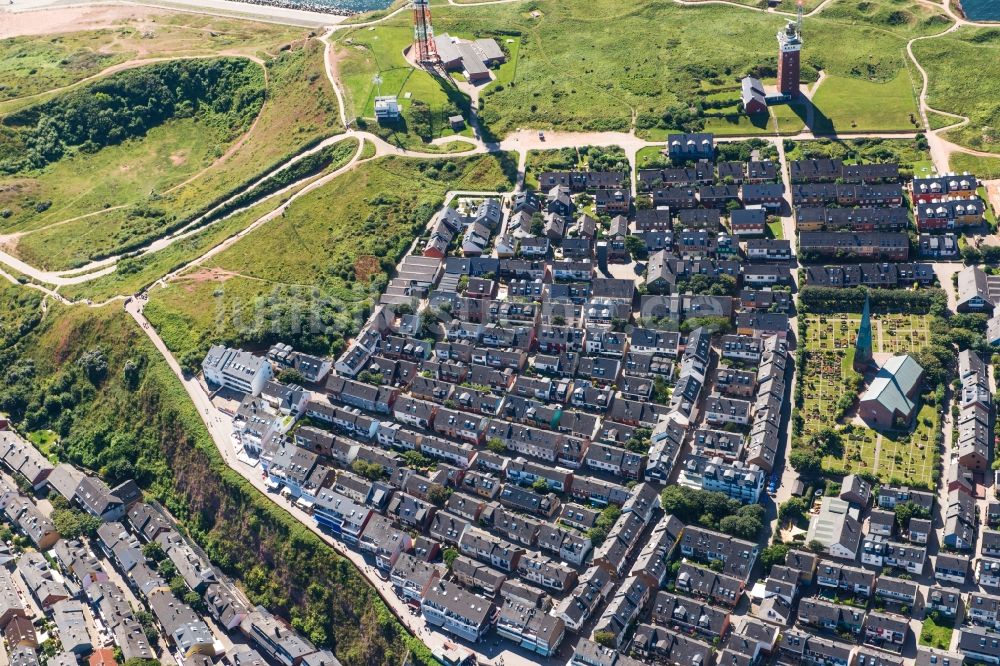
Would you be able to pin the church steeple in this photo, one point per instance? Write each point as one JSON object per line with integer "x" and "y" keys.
{"x": 863, "y": 345}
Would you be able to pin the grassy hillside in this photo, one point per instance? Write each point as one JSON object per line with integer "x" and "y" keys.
{"x": 32, "y": 65}
{"x": 93, "y": 377}
{"x": 91, "y": 203}
{"x": 313, "y": 274}
{"x": 957, "y": 87}
{"x": 593, "y": 65}
{"x": 135, "y": 273}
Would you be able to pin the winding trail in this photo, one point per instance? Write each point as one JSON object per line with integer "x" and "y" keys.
{"x": 264, "y": 219}
{"x": 940, "y": 148}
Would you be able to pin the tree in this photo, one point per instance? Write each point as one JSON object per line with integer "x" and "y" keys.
{"x": 640, "y": 440}
{"x": 449, "y": 556}
{"x": 369, "y": 470}
{"x": 416, "y": 460}
{"x": 438, "y": 495}
{"x": 606, "y": 639}
{"x": 774, "y": 554}
{"x": 906, "y": 510}
{"x": 153, "y": 551}
{"x": 178, "y": 587}
{"x": 816, "y": 546}
{"x": 805, "y": 462}
{"x": 540, "y": 486}
{"x": 636, "y": 247}
{"x": 496, "y": 445}
{"x": 599, "y": 532}
{"x": 291, "y": 376}
{"x": 792, "y": 510}
{"x": 701, "y": 506}
{"x": 74, "y": 523}
{"x": 167, "y": 569}
{"x": 537, "y": 224}
{"x": 746, "y": 523}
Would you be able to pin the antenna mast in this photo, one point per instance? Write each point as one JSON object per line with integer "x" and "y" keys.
{"x": 798, "y": 22}
{"x": 423, "y": 33}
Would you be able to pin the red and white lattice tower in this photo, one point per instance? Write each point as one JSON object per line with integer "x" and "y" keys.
{"x": 423, "y": 33}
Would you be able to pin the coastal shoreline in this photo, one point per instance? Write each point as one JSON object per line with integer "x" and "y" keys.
{"x": 960, "y": 10}
{"x": 68, "y": 12}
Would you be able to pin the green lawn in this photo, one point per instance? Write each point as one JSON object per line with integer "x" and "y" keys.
{"x": 844, "y": 104}
{"x": 789, "y": 118}
{"x": 775, "y": 229}
{"x": 936, "y": 634}
{"x": 306, "y": 263}
{"x": 366, "y": 53}
{"x": 650, "y": 157}
{"x": 595, "y": 64}
{"x": 174, "y": 171}
{"x": 967, "y": 90}
{"x": 938, "y": 120}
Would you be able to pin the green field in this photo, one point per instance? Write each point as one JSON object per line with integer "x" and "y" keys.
{"x": 134, "y": 192}
{"x": 844, "y": 105}
{"x": 957, "y": 87}
{"x": 326, "y": 258}
{"x": 167, "y": 155}
{"x": 985, "y": 168}
{"x": 829, "y": 344}
{"x": 594, "y": 65}
{"x": 364, "y": 54}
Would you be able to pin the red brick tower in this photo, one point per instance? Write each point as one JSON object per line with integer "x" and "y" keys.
{"x": 789, "y": 50}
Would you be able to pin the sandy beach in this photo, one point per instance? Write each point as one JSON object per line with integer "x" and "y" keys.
{"x": 34, "y": 17}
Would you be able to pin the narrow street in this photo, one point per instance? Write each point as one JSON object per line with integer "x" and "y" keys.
{"x": 219, "y": 427}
